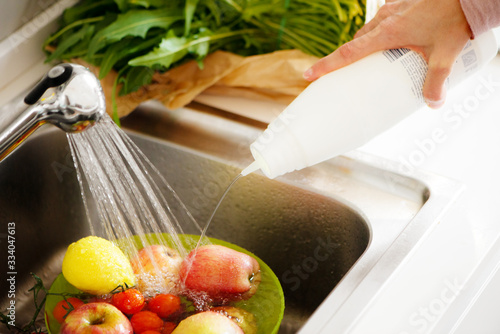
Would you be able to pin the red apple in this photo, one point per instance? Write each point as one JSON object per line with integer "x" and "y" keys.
{"x": 157, "y": 270}
{"x": 221, "y": 273}
{"x": 207, "y": 323}
{"x": 96, "y": 318}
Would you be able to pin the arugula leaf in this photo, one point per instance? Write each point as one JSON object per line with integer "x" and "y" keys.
{"x": 87, "y": 8}
{"x": 200, "y": 50}
{"x": 125, "y": 49}
{"x": 189, "y": 10}
{"x": 173, "y": 48}
{"x": 122, "y": 4}
{"x": 136, "y": 78}
{"x": 170, "y": 4}
{"x": 71, "y": 41}
{"x": 63, "y": 33}
{"x": 112, "y": 55}
{"x": 133, "y": 23}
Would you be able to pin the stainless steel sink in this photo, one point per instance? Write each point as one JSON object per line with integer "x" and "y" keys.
{"x": 333, "y": 233}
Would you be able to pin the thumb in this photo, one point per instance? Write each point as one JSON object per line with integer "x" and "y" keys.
{"x": 434, "y": 89}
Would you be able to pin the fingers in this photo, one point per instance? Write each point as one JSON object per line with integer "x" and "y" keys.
{"x": 404, "y": 23}
{"x": 344, "y": 55}
{"x": 380, "y": 33}
{"x": 347, "y": 54}
{"x": 384, "y": 12}
{"x": 369, "y": 26}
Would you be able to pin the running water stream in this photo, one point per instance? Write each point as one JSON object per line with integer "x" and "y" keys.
{"x": 128, "y": 193}
{"x": 207, "y": 225}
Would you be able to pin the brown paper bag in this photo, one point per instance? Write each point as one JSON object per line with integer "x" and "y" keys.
{"x": 275, "y": 76}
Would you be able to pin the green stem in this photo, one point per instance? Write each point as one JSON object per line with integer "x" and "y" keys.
{"x": 71, "y": 26}
{"x": 282, "y": 24}
{"x": 114, "y": 93}
{"x": 234, "y": 5}
{"x": 289, "y": 38}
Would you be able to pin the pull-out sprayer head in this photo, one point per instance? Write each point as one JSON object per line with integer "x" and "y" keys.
{"x": 68, "y": 96}
{"x": 77, "y": 100}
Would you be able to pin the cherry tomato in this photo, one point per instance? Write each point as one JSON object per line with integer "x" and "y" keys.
{"x": 129, "y": 301}
{"x": 61, "y": 309}
{"x": 164, "y": 305}
{"x": 146, "y": 321}
{"x": 168, "y": 327}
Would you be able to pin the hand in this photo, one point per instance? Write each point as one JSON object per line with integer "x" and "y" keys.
{"x": 437, "y": 29}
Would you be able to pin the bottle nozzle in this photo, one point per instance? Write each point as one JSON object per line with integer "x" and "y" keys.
{"x": 251, "y": 168}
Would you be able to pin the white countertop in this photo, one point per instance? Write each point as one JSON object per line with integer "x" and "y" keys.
{"x": 453, "y": 265}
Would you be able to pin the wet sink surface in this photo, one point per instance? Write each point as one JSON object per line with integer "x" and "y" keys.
{"x": 311, "y": 227}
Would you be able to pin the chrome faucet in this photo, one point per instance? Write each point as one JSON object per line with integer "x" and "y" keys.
{"x": 68, "y": 96}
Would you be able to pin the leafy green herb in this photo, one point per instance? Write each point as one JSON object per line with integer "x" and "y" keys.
{"x": 30, "y": 327}
{"x": 133, "y": 23}
{"x": 139, "y": 76}
{"x": 38, "y": 289}
{"x": 71, "y": 41}
{"x": 138, "y": 37}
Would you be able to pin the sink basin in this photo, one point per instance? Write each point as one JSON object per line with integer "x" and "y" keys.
{"x": 333, "y": 233}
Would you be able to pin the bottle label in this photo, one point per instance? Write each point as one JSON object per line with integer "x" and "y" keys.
{"x": 466, "y": 64}
{"x": 415, "y": 67}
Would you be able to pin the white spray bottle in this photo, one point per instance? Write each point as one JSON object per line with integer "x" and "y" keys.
{"x": 346, "y": 108}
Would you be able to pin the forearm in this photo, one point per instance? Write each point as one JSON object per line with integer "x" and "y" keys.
{"x": 481, "y": 15}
